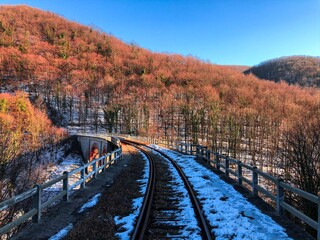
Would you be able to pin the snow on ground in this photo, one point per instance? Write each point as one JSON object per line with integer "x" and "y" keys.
{"x": 52, "y": 155}
{"x": 229, "y": 213}
{"x": 62, "y": 233}
{"x": 68, "y": 163}
{"x": 92, "y": 202}
{"x": 127, "y": 223}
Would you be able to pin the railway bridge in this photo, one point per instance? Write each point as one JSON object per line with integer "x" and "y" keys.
{"x": 96, "y": 180}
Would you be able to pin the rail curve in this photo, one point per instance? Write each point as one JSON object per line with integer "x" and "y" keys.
{"x": 147, "y": 208}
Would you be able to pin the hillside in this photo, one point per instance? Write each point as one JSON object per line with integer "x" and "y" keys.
{"x": 239, "y": 68}
{"x": 37, "y": 45}
{"x": 300, "y": 70}
{"x": 94, "y": 79}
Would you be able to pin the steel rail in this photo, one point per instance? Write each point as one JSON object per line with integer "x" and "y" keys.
{"x": 197, "y": 207}
{"x": 194, "y": 200}
{"x": 142, "y": 221}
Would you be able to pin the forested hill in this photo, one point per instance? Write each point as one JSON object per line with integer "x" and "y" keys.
{"x": 240, "y": 68}
{"x": 38, "y": 45}
{"x": 82, "y": 73}
{"x": 300, "y": 70}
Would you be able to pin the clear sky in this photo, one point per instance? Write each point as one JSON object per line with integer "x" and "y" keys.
{"x": 235, "y": 32}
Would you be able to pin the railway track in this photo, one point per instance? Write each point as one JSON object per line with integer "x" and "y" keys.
{"x": 170, "y": 209}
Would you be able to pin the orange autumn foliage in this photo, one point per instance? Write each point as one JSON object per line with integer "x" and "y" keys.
{"x": 28, "y": 127}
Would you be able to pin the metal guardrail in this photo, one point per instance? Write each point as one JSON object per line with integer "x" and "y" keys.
{"x": 89, "y": 170}
{"x": 223, "y": 162}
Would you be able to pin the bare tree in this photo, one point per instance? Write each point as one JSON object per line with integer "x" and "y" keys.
{"x": 303, "y": 159}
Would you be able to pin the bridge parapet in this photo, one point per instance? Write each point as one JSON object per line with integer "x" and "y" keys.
{"x": 104, "y": 144}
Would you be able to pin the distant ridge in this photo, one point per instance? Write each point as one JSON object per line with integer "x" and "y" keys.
{"x": 299, "y": 70}
{"x": 239, "y": 68}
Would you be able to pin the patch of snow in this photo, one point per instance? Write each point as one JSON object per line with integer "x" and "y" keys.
{"x": 229, "y": 213}
{"x": 92, "y": 202}
{"x": 62, "y": 233}
{"x": 69, "y": 163}
{"x": 56, "y": 163}
{"x": 127, "y": 222}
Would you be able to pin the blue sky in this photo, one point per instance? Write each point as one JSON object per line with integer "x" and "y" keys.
{"x": 238, "y": 32}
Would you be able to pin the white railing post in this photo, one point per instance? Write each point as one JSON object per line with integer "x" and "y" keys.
{"x": 227, "y": 166}
{"x": 193, "y": 152}
{"x": 83, "y": 176}
{"x": 208, "y": 153}
{"x": 280, "y": 196}
{"x": 66, "y": 186}
{"x": 198, "y": 151}
{"x": 110, "y": 159}
{"x": 94, "y": 167}
{"x": 239, "y": 172}
{"x": 217, "y": 160}
{"x": 36, "y": 204}
{"x": 115, "y": 157}
{"x": 104, "y": 163}
{"x": 254, "y": 181}
{"x": 202, "y": 152}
